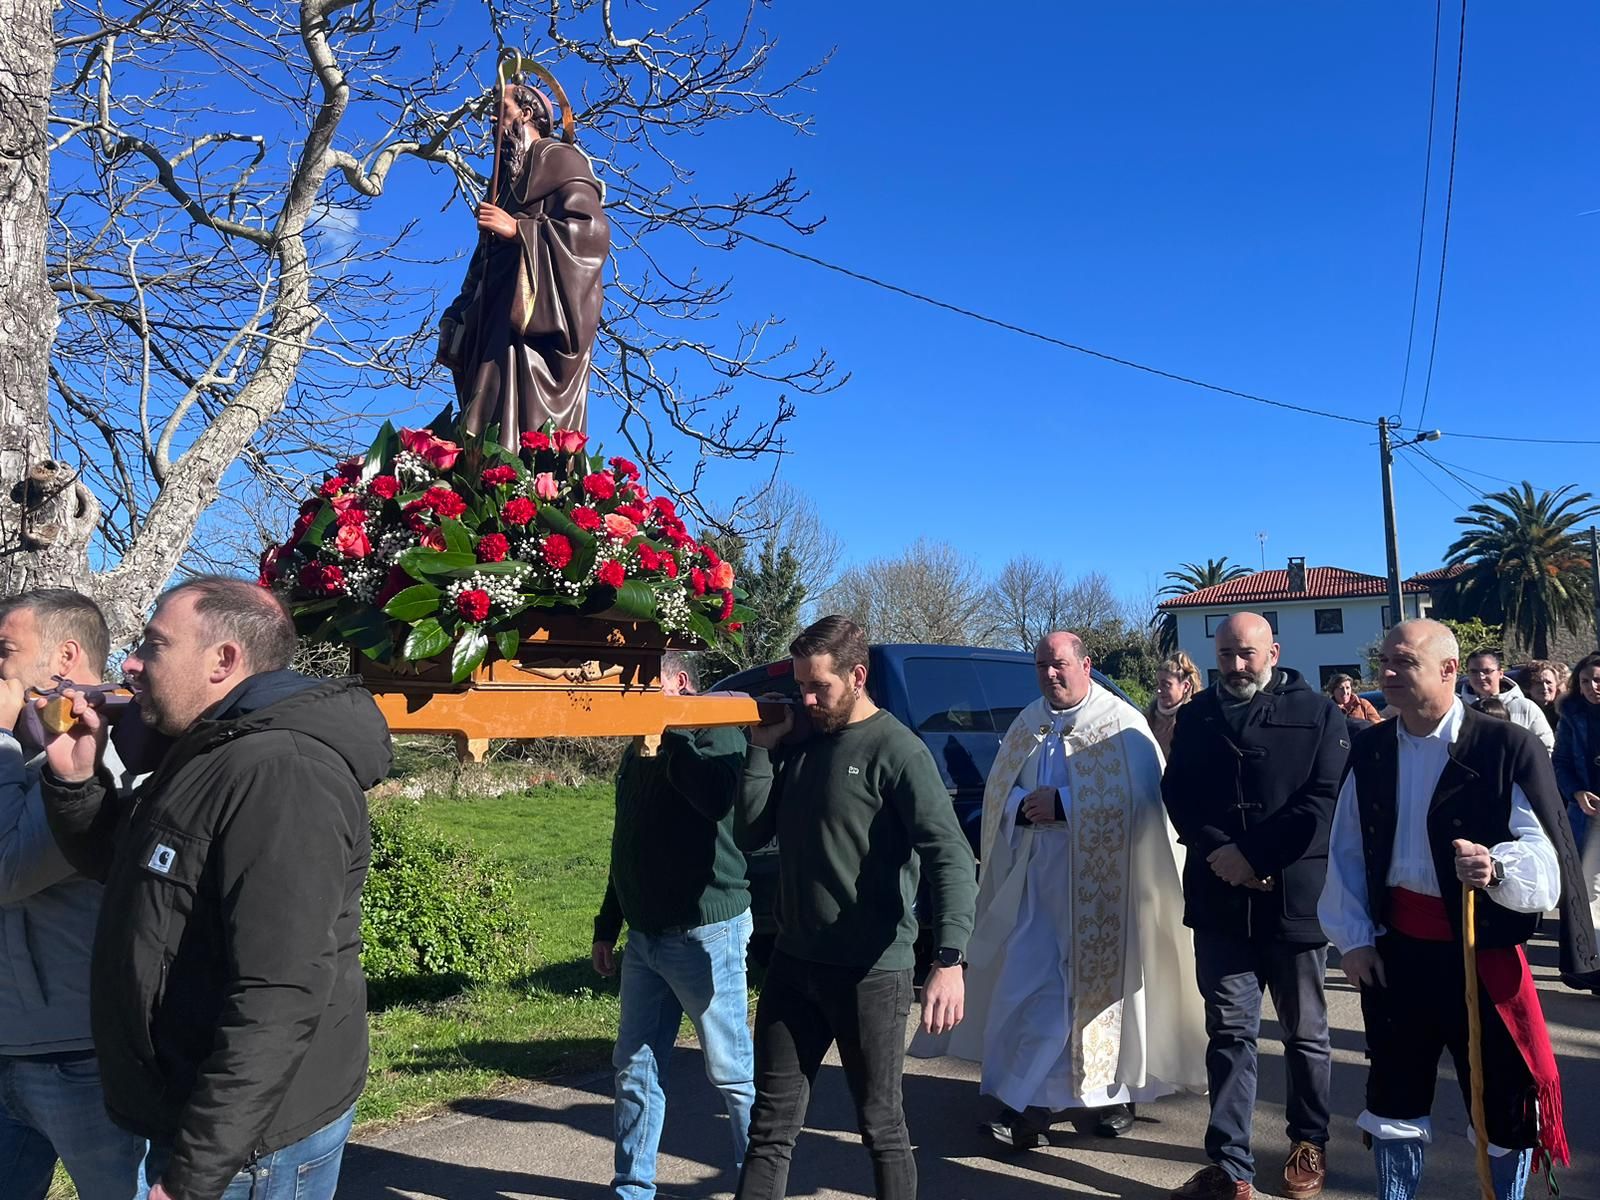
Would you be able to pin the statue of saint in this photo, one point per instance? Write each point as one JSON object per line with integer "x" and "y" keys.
{"x": 520, "y": 336}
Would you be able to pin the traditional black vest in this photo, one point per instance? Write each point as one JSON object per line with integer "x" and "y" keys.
{"x": 1473, "y": 801}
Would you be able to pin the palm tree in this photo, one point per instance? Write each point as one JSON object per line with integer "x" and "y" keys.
{"x": 1189, "y": 577}
{"x": 1524, "y": 563}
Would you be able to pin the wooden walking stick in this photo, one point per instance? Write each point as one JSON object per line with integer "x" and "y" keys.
{"x": 1469, "y": 955}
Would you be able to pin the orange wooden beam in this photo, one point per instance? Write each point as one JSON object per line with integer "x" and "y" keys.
{"x": 508, "y": 712}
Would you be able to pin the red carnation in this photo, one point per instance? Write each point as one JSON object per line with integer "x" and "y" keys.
{"x": 669, "y": 565}
{"x": 499, "y": 476}
{"x": 413, "y": 516}
{"x": 649, "y": 558}
{"x": 517, "y": 512}
{"x": 727, "y": 606}
{"x": 444, "y": 502}
{"x": 386, "y": 487}
{"x": 634, "y": 513}
{"x": 712, "y": 558}
{"x": 351, "y": 518}
{"x": 585, "y": 518}
{"x": 473, "y": 604}
{"x": 634, "y": 494}
{"x": 611, "y": 574}
{"x": 697, "y": 580}
{"x": 350, "y": 469}
{"x": 321, "y": 579}
{"x": 493, "y": 547}
{"x": 536, "y": 440}
{"x": 600, "y": 486}
{"x": 735, "y": 626}
{"x": 623, "y": 467}
{"x": 664, "y": 506}
{"x": 333, "y": 485}
{"x": 557, "y": 551}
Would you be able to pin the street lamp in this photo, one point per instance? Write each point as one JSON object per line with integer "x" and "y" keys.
{"x": 1391, "y": 545}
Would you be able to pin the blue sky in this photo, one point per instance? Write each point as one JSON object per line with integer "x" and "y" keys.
{"x": 1226, "y": 191}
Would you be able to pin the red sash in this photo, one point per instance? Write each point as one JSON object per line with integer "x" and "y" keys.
{"x": 1504, "y": 977}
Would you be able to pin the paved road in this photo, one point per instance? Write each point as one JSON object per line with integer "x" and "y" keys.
{"x": 554, "y": 1140}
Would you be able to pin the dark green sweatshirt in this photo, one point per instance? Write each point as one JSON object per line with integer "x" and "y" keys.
{"x": 673, "y": 861}
{"x": 855, "y": 814}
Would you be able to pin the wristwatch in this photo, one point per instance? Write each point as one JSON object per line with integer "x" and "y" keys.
{"x": 1497, "y": 873}
{"x": 946, "y": 957}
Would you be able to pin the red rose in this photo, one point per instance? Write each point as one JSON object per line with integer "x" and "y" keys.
{"x": 600, "y": 486}
{"x": 439, "y": 454}
{"x": 433, "y": 539}
{"x": 302, "y": 523}
{"x": 493, "y": 547}
{"x": 386, "y": 487}
{"x": 517, "y": 512}
{"x": 569, "y": 441}
{"x": 697, "y": 580}
{"x": 321, "y": 579}
{"x": 351, "y": 517}
{"x": 352, "y": 542}
{"x": 499, "y": 476}
{"x": 623, "y": 467}
{"x": 333, "y": 485}
{"x": 535, "y": 440}
{"x": 669, "y": 565}
{"x": 611, "y": 574}
{"x": 649, "y": 559}
{"x": 350, "y": 469}
{"x": 557, "y": 551}
{"x": 473, "y": 604}
{"x": 269, "y": 566}
{"x": 413, "y": 514}
{"x": 727, "y": 606}
{"x": 396, "y": 582}
{"x": 585, "y": 518}
{"x": 444, "y": 502}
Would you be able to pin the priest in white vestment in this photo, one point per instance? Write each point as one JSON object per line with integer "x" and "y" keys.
{"x": 1080, "y": 986}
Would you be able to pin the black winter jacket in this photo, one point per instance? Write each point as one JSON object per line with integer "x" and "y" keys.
{"x": 1270, "y": 790}
{"x": 227, "y": 999}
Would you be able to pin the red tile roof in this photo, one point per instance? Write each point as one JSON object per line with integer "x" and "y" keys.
{"x": 1438, "y": 574}
{"x": 1262, "y": 587}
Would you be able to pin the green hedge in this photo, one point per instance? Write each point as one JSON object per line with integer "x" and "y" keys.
{"x": 435, "y": 908}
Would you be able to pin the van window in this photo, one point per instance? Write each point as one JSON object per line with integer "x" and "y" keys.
{"x": 967, "y": 695}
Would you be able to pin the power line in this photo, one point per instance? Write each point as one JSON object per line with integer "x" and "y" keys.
{"x": 1487, "y": 475}
{"x": 1428, "y": 479}
{"x": 1427, "y": 178}
{"x": 1449, "y": 194}
{"x": 1526, "y": 441}
{"x": 1044, "y": 337}
{"x": 1475, "y": 492}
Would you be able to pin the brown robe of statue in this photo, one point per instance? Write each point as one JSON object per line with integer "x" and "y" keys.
{"x": 526, "y": 318}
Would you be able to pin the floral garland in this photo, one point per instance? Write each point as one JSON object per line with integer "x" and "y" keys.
{"x": 423, "y": 546}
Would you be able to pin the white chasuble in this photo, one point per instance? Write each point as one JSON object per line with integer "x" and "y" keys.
{"x": 1080, "y": 990}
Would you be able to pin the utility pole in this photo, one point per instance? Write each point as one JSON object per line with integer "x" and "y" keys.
{"x": 1594, "y": 576}
{"x": 1390, "y": 538}
{"x": 1391, "y": 543}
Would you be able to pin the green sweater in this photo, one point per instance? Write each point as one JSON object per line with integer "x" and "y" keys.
{"x": 673, "y": 861}
{"x": 856, "y": 813}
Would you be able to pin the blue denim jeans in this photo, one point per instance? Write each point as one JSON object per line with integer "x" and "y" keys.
{"x": 51, "y": 1110}
{"x": 665, "y": 976}
{"x": 303, "y": 1170}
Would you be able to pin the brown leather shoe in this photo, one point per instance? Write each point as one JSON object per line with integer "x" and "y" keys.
{"x": 1213, "y": 1183}
{"x": 1305, "y": 1171}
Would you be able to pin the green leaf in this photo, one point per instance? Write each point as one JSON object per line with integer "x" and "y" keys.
{"x": 365, "y": 629}
{"x": 700, "y": 625}
{"x": 471, "y": 646}
{"x": 419, "y": 562}
{"x": 313, "y": 535}
{"x": 508, "y": 642}
{"x": 637, "y": 599}
{"x": 509, "y": 567}
{"x": 381, "y": 452}
{"x": 417, "y": 601}
{"x": 456, "y": 536}
{"x": 426, "y": 639}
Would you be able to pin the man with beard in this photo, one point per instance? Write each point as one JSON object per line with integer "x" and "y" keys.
{"x": 856, "y": 807}
{"x": 228, "y": 1004}
{"x": 520, "y": 335}
{"x": 1484, "y": 679}
{"x": 1254, "y": 773}
{"x": 50, "y": 1101}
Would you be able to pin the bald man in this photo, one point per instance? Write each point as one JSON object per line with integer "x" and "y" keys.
{"x": 1441, "y": 799}
{"x": 1080, "y": 992}
{"x": 1255, "y": 768}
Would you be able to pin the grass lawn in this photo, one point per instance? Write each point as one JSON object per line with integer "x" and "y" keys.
{"x": 557, "y": 1017}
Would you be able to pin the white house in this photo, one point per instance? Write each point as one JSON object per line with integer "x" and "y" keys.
{"x": 1325, "y": 618}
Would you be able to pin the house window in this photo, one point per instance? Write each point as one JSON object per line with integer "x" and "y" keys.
{"x": 1271, "y": 618}
{"x": 1387, "y": 620}
{"x": 1330, "y": 620}
{"x": 1212, "y": 621}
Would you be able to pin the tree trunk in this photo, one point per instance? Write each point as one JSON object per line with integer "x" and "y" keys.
{"x": 46, "y": 515}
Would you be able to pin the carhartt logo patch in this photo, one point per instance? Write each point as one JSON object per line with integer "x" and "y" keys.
{"x": 161, "y": 859}
{"x": 855, "y": 770}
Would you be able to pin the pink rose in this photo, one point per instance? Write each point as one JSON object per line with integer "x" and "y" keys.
{"x": 619, "y": 527}
{"x": 569, "y": 441}
{"x": 722, "y": 576}
{"x": 352, "y": 542}
{"x": 545, "y": 486}
{"x": 438, "y": 453}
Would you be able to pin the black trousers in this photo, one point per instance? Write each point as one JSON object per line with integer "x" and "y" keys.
{"x": 1421, "y": 1013}
{"x": 806, "y": 1007}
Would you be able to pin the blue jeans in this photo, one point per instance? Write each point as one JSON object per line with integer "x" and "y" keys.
{"x": 51, "y": 1110}
{"x": 303, "y": 1170}
{"x": 698, "y": 972}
